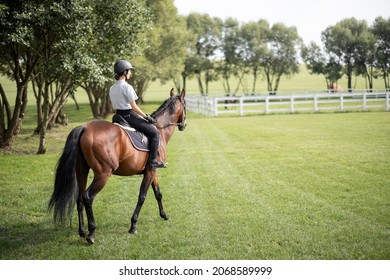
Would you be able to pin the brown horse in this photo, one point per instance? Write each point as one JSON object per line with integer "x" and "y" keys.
{"x": 106, "y": 149}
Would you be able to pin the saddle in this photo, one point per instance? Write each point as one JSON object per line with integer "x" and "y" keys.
{"x": 137, "y": 138}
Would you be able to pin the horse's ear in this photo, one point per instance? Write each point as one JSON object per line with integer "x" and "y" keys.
{"x": 182, "y": 94}
{"x": 172, "y": 93}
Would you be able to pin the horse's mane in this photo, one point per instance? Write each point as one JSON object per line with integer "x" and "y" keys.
{"x": 169, "y": 103}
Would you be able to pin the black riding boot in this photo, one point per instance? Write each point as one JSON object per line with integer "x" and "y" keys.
{"x": 154, "y": 164}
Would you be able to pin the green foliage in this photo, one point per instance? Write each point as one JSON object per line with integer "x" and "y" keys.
{"x": 254, "y": 47}
{"x": 163, "y": 55}
{"x": 59, "y": 45}
{"x": 117, "y": 28}
{"x": 321, "y": 64}
{"x": 230, "y": 47}
{"x": 226, "y": 49}
{"x": 347, "y": 41}
{"x": 281, "y": 58}
{"x": 381, "y": 30}
{"x": 201, "y": 53}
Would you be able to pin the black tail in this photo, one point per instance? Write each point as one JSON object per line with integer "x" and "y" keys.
{"x": 65, "y": 186}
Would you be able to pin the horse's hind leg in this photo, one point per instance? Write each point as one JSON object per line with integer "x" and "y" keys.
{"x": 82, "y": 176}
{"x": 80, "y": 211}
{"x": 96, "y": 186}
{"x": 158, "y": 195}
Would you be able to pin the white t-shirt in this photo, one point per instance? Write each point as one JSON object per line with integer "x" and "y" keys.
{"x": 121, "y": 94}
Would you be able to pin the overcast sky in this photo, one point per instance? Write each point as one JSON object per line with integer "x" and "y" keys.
{"x": 310, "y": 17}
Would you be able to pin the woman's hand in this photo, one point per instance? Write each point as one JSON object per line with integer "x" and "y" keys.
{"x": 150, "y": 119}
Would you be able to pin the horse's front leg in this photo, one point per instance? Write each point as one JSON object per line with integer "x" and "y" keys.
{"x": 146, "y": 181}
{"x": 158, "y": 195}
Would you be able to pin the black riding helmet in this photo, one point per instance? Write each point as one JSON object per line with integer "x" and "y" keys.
{"x": 121, "y": 66}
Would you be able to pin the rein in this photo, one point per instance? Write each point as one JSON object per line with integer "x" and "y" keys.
{"x": 175, "y": 124}
{"x": 168, "y": 124}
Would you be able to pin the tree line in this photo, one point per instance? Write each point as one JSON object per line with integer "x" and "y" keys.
{"x": 57, "y": 46}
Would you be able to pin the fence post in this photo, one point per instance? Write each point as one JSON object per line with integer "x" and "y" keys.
{"x": 364, "y": 102}
{"x": 341, "y": 102}
{"x": 292, "y": 104}
{"x": 315, "y": 103}
{"x": 387, "y": 101}
{"x": 215, "y": 107}
{"x": 241, "y": 106}
{"x": 266, "y": 104}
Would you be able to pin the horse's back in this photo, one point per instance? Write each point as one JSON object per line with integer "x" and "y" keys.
{"x": 107, "y": 149}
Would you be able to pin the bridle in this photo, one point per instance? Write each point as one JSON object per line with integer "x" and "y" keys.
{"x": 180, "y": 124}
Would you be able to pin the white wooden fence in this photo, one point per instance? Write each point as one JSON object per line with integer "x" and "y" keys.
{"x": 215, "y": 106}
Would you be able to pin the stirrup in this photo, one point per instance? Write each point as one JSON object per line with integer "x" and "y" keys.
{"x": 154, "y": 164}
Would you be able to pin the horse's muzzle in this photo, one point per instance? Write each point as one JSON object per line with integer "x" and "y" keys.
{"x": 182, "y": 126}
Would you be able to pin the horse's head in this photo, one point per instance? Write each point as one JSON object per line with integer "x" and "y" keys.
{"x": 172, "y": 112}
{"x": 181, "y": 113}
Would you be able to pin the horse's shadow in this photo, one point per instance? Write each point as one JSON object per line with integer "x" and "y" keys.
{"x": 17, "y": 241}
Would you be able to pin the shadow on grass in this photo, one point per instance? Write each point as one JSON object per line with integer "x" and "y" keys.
{"x": 37, "y": 240}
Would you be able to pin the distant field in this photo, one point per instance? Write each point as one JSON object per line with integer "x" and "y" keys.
{"x": 302, "y": 81}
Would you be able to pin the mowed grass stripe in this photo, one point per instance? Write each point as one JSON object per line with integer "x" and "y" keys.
{"x": 311, "y": 185}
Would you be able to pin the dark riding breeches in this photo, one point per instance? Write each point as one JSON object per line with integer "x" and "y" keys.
{"x": 143, "y": 126}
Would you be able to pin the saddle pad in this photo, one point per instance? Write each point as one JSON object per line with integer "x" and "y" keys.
{"x": 138, "y": 139}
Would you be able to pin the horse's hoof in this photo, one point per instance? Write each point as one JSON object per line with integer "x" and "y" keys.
{"x": 133, "y": 231}
{"x": 164, "y": 216}
{"x": 90, "y": 240}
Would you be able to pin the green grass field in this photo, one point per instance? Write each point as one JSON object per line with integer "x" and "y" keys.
{"x": 291, "y": 186}
{"x": 306, "y": 186}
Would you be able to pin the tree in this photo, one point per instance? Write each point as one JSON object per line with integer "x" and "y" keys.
{"x": 346, "y": 41}
{"x": 200, "y": 57}
{"x": 254, "y": 47}
{"x": 281, "y": 55}
{"x": 381, "y": 31}
{"x": 54, "y": 78}
{"x": 117, "y": 28}
{"x": 18, "y": 59}
{"x": 318, "y": 62}
{"x": 164, "y": 51}
{"x": 230, "y": 44}
{"x": 58, "y": 45}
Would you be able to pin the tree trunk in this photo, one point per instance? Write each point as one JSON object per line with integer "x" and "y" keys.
{"x": 200, "y": 84}
{"x": 386, "y": 80}
{"x": 140, "y": 87}
{"x": 254, "y": 80}
{"x": 5, "y": 113}
{"x": 184, "y": 76}
{"x": 45, "y": 109}
{"x": 11, "y": 127}
{"x": 98, "y": 99}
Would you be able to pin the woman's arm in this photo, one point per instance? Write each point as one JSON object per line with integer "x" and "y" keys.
{"x": 136, "y": 109}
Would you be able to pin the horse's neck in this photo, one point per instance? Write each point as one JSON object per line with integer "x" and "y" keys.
{"x": 166, "y": 134}
{"x": 166, "y": 127}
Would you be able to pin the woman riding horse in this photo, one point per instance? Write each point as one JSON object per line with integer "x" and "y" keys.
{"x": 123, "y": 99}
{"x": 106, "y": 149}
